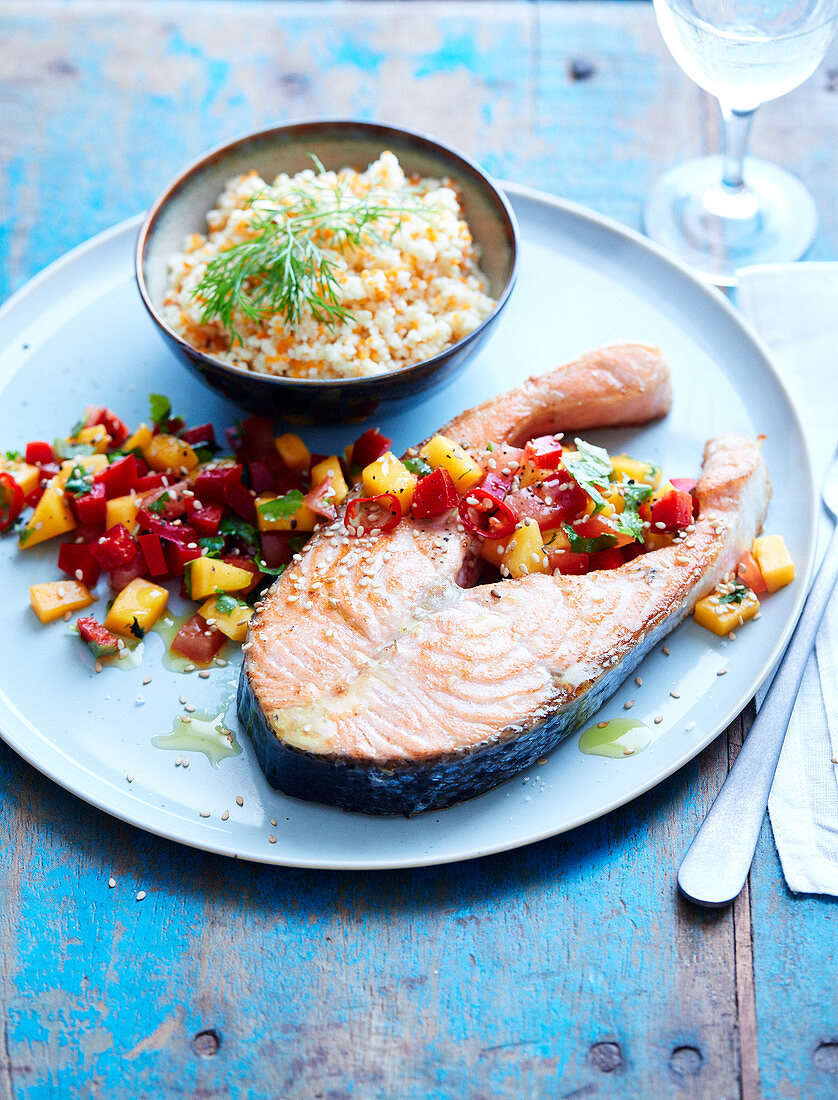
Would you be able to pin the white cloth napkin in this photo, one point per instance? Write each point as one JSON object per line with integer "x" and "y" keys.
{"x": 794, "y": 307}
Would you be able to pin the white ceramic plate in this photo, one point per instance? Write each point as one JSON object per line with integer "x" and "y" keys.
{"x": 77, "y": 334}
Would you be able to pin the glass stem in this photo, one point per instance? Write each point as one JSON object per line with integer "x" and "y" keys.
{"x": 736, "y": 131}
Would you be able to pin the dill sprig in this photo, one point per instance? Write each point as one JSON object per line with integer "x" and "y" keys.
{"x": 291, "y": 262}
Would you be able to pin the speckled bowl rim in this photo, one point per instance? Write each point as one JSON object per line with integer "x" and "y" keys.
{"x": 385, "y": 130}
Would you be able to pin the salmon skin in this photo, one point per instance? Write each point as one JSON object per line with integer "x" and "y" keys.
{"x": 372, "y": 680}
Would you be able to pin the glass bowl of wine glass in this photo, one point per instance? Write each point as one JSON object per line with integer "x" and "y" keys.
{"x": 725, "y": 212}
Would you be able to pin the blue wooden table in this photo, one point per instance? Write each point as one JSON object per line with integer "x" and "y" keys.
{"x": 570, "y": 968}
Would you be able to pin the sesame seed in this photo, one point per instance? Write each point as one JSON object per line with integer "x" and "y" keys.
{"x": 111, "y": 883}
{"x": 147, "y": 680}
{"x": 239, "y": 800}
{"x": 185, "y": 759}
{"x": 628, "y": 752}
{"x": 833, "y": 760}
{"x": 542, "y": 760}
{"x": 658, "y": 719}
{"x": 204, "y": 674}
{"x": 97, "y": 667}
{"x": 189, "y": 708}
{"x": 660, "y": 526}
{"x": 185, "y": 719}
{"x": 203, "y": 813}
{"x": 220, "y": 662}
{"x": 141, "y": 895}
{"x": 178, "y": 761}
{"x": 493, "y": 592}
{"x": 601, "y": 725}
{"x": 273, "y": 822}
{"x": 225, "y": 815}
{"x": 79, "y": 575}
{"x": 675, "y": 694}
{"x": 272, "y": 839}
{"x": 665, "y": 650}
{"x": 690, "y": 725}
{"x": 182, "y": 699}
{"x": 721, "y": 671}
{"x": 628, "y": 705}
{"x": 639, "y": 681}
{"x": 130, "y": 777}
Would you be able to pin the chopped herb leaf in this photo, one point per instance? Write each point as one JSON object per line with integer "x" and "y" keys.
{"x": 160, "y": 409}
{"x": 297, "y": 543}
{"x": 64, "y": 449}
{"x": 490, "y": 446}
{"x": 158, "y": 506}
{"x": 205, "y": 452}
{"x": 25, "y": 534}
{"x": 239, "y": 528}
{"x": 581, "y": 545}
{"x": 213, "y": 544}
{"x": 282, "y": 507}
{"x": 77, "y": 427}
{"x": 225, "y": 604}
{"x": 270, "y": 570}
{"x": 739, "y": 593}
{"x": 14, "y": 456}
{"x": 80, "y": 481}
{"x": 136, "y": 629}
{"x": 589, "y": 466}
{"x": 629, "y": 521}
{"x": 418, "y": 466}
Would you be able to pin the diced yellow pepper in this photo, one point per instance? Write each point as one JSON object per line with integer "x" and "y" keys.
{"x": 167, "y": 452}
{"x": 91, "y": 464}
{"x": 444, "y": 452}
{"x": 52, "y": 516}
{"x": 388, "y": 475}
{"x": 330, "y": 466}
{"x": 95, "y": 436}
{"x": 136, "y": 608}
{"x": 721, "y": 618}
{"x": 302, "y": 520}
{"x": 54, "y": 599}
{"x": 26, "y": 475}
{"x": 232, "y": 623}
{"x": 204, "y": 576}
{"x": 634, "y": 470}
{"x": 293, "y": 452}
{"x": 122, "y": 510}
{"x": 139, "y": 440}
{"x": 525, "y": 551}
{"x": 774, "y": 561}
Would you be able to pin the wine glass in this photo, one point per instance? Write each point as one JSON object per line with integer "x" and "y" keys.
{"x": 721, "y": 213}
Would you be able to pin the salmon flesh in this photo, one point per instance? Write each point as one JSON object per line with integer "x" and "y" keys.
{"x": 376, "y": 680}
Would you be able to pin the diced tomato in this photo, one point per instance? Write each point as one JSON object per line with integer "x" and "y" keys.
{"x": 257, "y": 440}
{"x": 116, "y": 428}
{"x": 38, "y": 452}
{"x": 201, "y": 433}
{"x": 90, "y": 507}
{"x": 197, "y": 640}
{"x": 554, "y": 501}
{"x": 146, "y": 482}
{"x": 122, "y": 575}
{"x": 151, "y": 546}
{"x": 85, "y": 533}
{"x": 368, "y": 447}
{"x": 606, "y": 559}
{"x": 434, "y": 495}
{"x": 571, "y": 564}
{"x": 214, "y": 484}
{"x": 178, "y": 554}
{"x": 166, "y": 504}
{"x": 119, "y": 478}
{"x": 36, "y": 494}
{"x": 750, "y": 574}
{"x": 250, "y": 565}
{"x": 683, "y": 484}
{"x": 11, "y": 500}
{"x": 675, "y": 510}
{"x": 318, "y": 499}
{"x": 261, "y": 476}
{"x": 500, "y": 456}
{"x": 243, "y": 502}
{"x": 100, "y": 641}
{"x": 78, "y": 562}
{"x": 595, "y": 527}
{"x": 276, "y": 548}
{"x": 207, "y": 520}
{"x": 117, "y": 547}
{"x": 545, "y": 452}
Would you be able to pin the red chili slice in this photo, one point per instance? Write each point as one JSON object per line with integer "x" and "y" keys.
{"x": 367, "y": 514}
{"x": 434, "y": 495}
{"x": 486, "y": 515}
{"x": 321, "y": 498}
{"x": 11, "y": 500}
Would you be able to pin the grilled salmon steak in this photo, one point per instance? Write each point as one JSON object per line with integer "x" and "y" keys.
{"x": 376, "y": 679}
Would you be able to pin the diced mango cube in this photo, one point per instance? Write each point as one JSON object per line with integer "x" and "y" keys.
{"x": 136, "y": 608}
{"x": 92, "y": 464}
{"x": 491, "y": 550}
{"x": 204, "y": 576}
{"x": 233, "y": 623}
{"x": 26, "y": 475}
{"x": 139, "y": 440}
{"x": 52, "y": 516}
{"x": 721, "y": 618}
{"x": 524, "y": 551}
{"x": 464, "y": 471}
{"x": 95, "y": 436}
{"x": 388, "y": 475}
{"x": 53, "y": 599}
{"x": 633, "y": 469}
{"x": 301, "y": 520}
{"x": 774, "y": 561}
{"x": 122, "y": 510}
{"x": 167, "y": 452}
{"x": 330, "y": 467}
{"x": 293, "y": 452}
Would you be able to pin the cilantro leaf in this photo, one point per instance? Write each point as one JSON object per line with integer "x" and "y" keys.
{"x": 739, "y": 593}
{"x": 158, "y": 506}
{"x": 136, "y": 629}
{"x": 64, "y": 449}
{"x": 79, "y": 482}
{"x": 589, "y": 466}
{"x": 14, "y": 456}
{"x": 160, "y": 409}
{"x": 579, "y": 544}
{"x": 418, "y": 466}
{"x": 77, "y": 427}
{"x": 282, "y": 507}
{"x": 225, "y": 604}
{"x": 628, "y": 521}
{"x": 269, "y": 570}
{"x": 213, "y": 544}
{"x": 239, "y": 528}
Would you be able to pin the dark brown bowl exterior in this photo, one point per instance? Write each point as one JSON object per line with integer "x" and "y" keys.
{"x": 182, "y": 209}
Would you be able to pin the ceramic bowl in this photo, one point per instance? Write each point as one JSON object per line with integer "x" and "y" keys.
{"x": 182, "y": 209}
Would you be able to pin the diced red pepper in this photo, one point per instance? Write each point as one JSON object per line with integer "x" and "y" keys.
{"x": 119, "y": 478}
{"x": 147, "y": 482}
{"x": 116, "y": 428}
{"x": 749, "y": 572}
{"x": 261, "y": 477}
{"x": 197, "y": 640}
{"x": 571, "y": 564}
{"x": 201, "y": 433}
{"x": 434, "y": 495}
{"x": 214, "y": 484}
{"x": 122, "y": 575}
{"x": 381, "y": 513}
{"x": 207, "y": 520}
{"x": 11, "y": 500}
{"x": 178, "y": 554}
{"x": 497, "y": 483}
{"x": 100, "y": 641}
{"x": 151, "y": 546}
{"x": 257, "y": 440}
{"x": 276, "y": 548}
{"x": 675, "y": 510}
{"x": 38, "y": 452}
{"x": 78, "y": 562}
{"x": 242, "y": 562}
{"x": 606, "y": 559}
{"x": 175, "y": 425}
{"x": 33, "y": 497}
{"x": 243, "y": 502}
{"x": 687, "y": 485}
{"x": 368, "y": 447}
{"x": 320, "y": 499}
{"x": 115, "y": 548}
{"x": 545, "y": 452}
{"x": 90, "y": 507}
{"x": 595, "y": 527}
{"x": 487, "y": 515}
